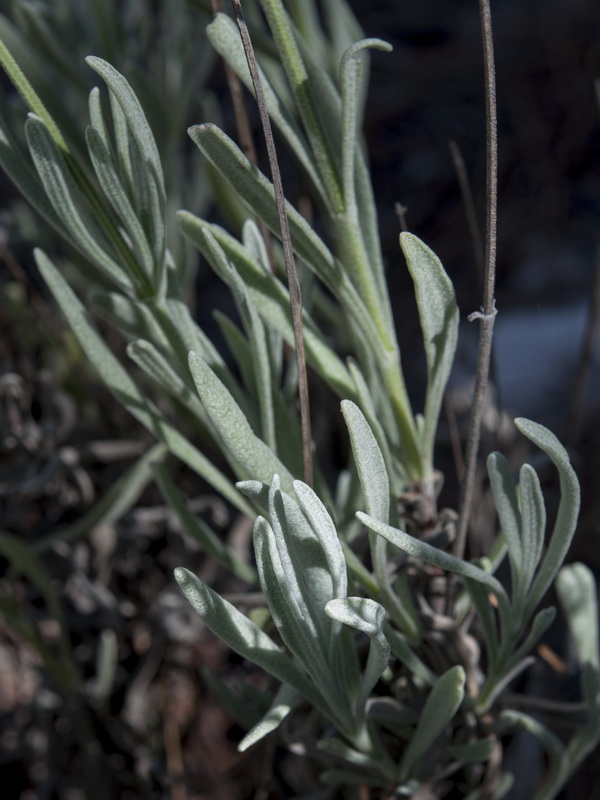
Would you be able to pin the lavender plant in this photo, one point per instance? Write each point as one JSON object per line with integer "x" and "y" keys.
{"x": 400, "y": 698}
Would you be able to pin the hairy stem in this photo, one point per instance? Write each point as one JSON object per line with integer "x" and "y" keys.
{"x": 487, "y": 315}
{"x": 288, "y": 254}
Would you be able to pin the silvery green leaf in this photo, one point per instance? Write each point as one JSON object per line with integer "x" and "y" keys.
{"x": 509, "y": 515}
{"x": 366, "y": 616}
{"x": 27, "y": 182}
{"x": 576, "y": 589}
{"x": 272, "y": 300}
{"x": 129, "y": 119}
{"x": 123, "y": 387}
{"x": 112, "y": 505}
{"x": 134, "y": 114}
{"x": 351, "y": 70}
{"x": 376, "y": 491}
{"x": 283, "y": 703}
{"x": 256, "y": 491}
{"x": 257, "y": 193}
{"x": 156, "y": 366}
{"x": 479, "y": 594}
{"x": 255, "y": 244}
{"x": 287, "y": 425}
{"x": 130, "y": 316}
{"x": 224, "y": 36}
{"x": 407, "y": 656}
{"x": 256, "y": 337}
{"x": 183, "y": 334}
{"x": 249, "y": 455}
{"x": 244, "y": 637}
{"x": 311, "y": 572}
{"x": 156, "y": 231}
{"x": 301, "y": 553}
{"x": 439, "y": 558}
{"x": 125, "y": 154}
{"x": 369, "y": 462}
{"x": 238, "y": 346}
{"x": 440, "y": 707}
{"x": 497, "y": 683}
{"x": 438, "y": 314}
{"x": 291, "y": 613}
{"x": 568, "y": 510}
{"x": 117, "y": 196}
{"x": 198, "y": 530}
{"x": 342, "y": 26}
{"x": 321, "y": 136}
{"x": 324, "y": 530}
{"x": 533, "y": 521}
{"x": 69, "y": 203}
{"x": 541, "y": 622}
{"x": 97, "y": 119}
{"x": 372, "y": 415}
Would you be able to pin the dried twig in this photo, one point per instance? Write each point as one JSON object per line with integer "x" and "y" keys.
{"x": 244, "y": 129}
{"x": 288, "y": 254}
{"x": 488, "y": 313}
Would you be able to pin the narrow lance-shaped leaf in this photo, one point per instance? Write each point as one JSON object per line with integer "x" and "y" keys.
{"x": 271, "y": 299}
{"x": 21, "y": 173}
{"x": 68, "y": 202}
{"x": 533, "y": 521}
{"x": 324, "y": 530}
{"x": 138, "y": 124}
{"x": 320, "y": 139}
{"x": 258, "y": 342}
{"x": 256, "y": 191}
{"x": 225, "y": 38}
{"x": 364, "y": 270}
{"x": 283, "y": 703}
{"x": 115, "y": 193}
{"x": 243, "y": 636}
{"x": 97, "y": 119}
{"x": 568, "y": 509}
{"x": 576, "y": 589}
{"x": 249, "y": 455}
{"x": 369, "y": 462}
{"x": 293, "y": 616}
{"x": 376, "y": 490}
{"x": 507, "y": 507}
{"x": 368, "y": 617}
{"x": 441, "y": 705}
{"x": 301, "y": 554}
{"x": 438, "y": 314}
{"x": 436, "y": 557}
{"x": 366, "y": 403}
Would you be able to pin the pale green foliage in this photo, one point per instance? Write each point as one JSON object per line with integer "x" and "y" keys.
{"x": 352, "y": 644}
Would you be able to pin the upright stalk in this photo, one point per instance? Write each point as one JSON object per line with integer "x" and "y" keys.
{"x": 488, "y": 312}
{"x": 286, "y": 241}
